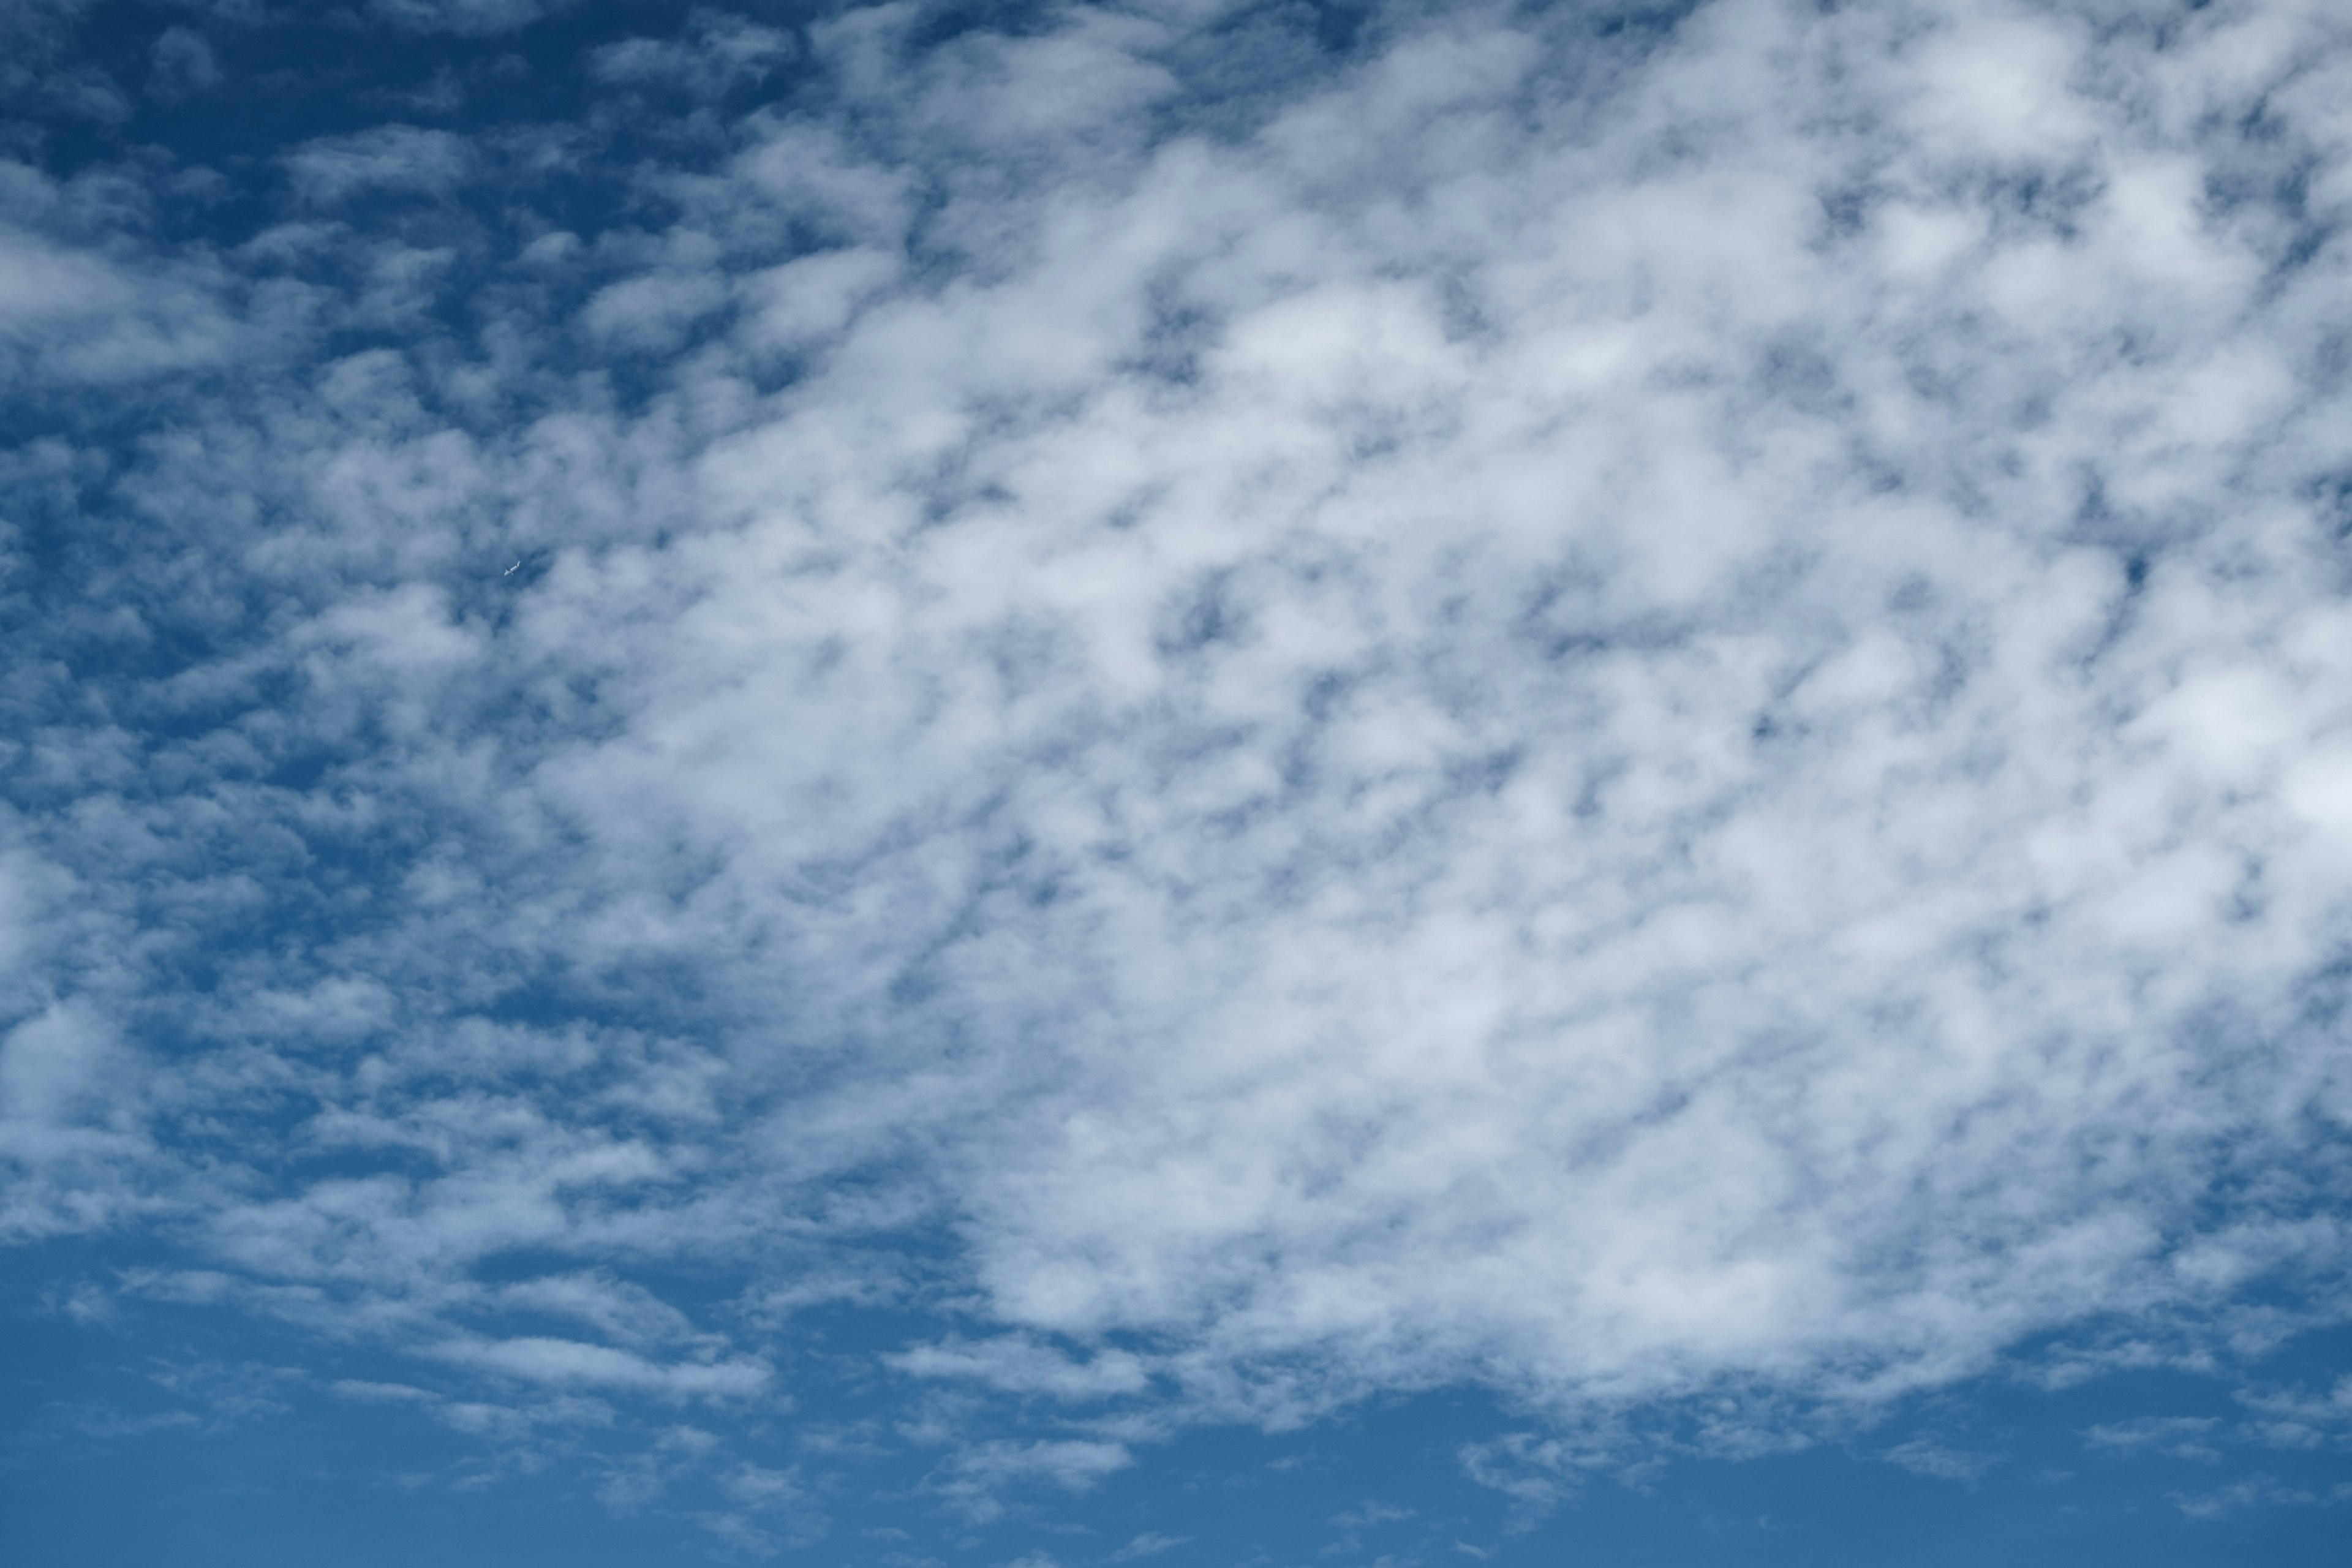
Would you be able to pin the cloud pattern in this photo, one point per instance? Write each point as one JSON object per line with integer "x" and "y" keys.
{"x": 1610, "y": 702}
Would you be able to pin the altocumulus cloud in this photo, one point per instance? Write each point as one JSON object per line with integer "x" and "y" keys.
{"x": 1609, "y": 703}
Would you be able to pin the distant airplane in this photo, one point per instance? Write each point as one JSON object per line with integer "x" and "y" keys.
{"x": 511, "y": 570}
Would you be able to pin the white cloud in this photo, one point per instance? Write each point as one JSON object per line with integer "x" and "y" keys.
{"x": 333, "y": 169}
{"x": 476, "y": 17}
{"x": 75, "y": 315}
{"x": 2255, "y": 1491}
{"x": 1609, "y": 718}
{"x": 1069, "y": 1464}
{"x": 575, "y": 1363}
{"x": 182, "y": 64}
{"x": 72, "y": 1133}
{"x": 1021, "y": 1365}
{"x": 1151, "y": 1543}
{"x": 1940, "y": 1461}
{"x": 719, "y": 52}
{"x": 378, "y": 1393}
{"x": 2179, "y": 1436}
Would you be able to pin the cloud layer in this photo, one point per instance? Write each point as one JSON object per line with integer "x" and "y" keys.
{"x": 1604, "y": 702}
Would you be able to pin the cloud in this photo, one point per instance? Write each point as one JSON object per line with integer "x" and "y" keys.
{"x": 2298, "y": 1418}
{"x": 980, "y": 1472}
{"x": 719, "y": 52}
{"x": 622, "y": 1310}
{"x": 182, "y": 64}
{"x": 1925, "y": 1457}
{"x": 106, "y": 1424}
{"x": 1151, "y": 1543}
{"x": 2255, "y": 1491}
{"x": 39, "y": 76}
{"x": 378, "y": 1393}
{"x": 73, "y": 314}
{"x": 1020, "y": 1365}
{"x": 574, "y": 1363}
{"x": 1612, "y": 713}
{"x": 2179, "y": 1436}
{"x": 476, "y": 17}
{"x": 72, "y": 1129}
{"x": 333, "y": 169}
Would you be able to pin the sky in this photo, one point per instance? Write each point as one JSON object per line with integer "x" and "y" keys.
{"x": 1251, "y": 784}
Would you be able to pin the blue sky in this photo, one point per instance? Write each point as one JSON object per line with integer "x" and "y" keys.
{"x": 1243, "y": 784}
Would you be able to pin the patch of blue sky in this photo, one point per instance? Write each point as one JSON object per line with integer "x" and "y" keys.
{"x": 1190, "y": 781}
{"x": 209, "y": 1447}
